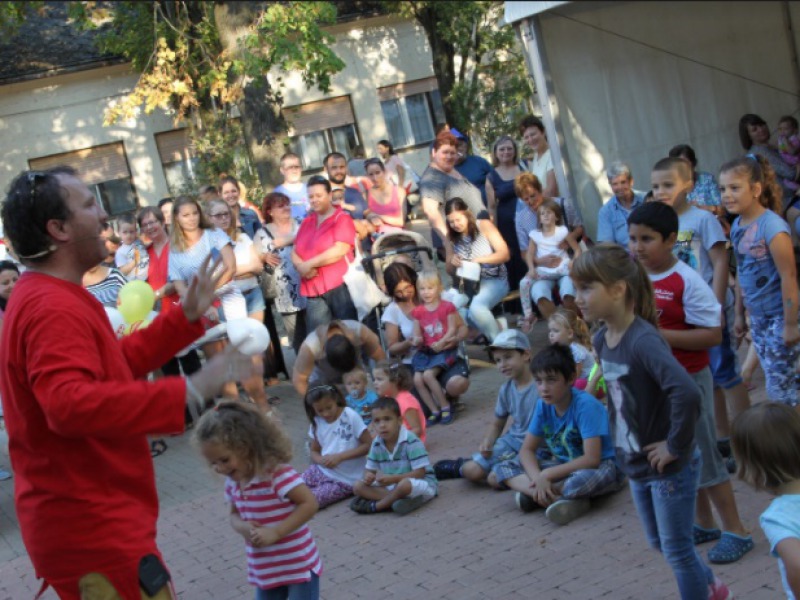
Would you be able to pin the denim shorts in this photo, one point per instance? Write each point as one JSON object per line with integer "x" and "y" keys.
{"x": 543, "y": 288}
{"x": 506, "y": 447}
{"x": 439, "y": 360}
{"x": 255, "y": 300}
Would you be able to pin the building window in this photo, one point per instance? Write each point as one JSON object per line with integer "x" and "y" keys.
{"x": 104, "y": 169}
{"x": 411, "y": 111}
{"x": 318, "y": 128}
{"x": 178, "y": 160}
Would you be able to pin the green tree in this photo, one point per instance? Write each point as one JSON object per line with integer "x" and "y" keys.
{"x": 198, "y": 60}
{"x": 479, "y": 66}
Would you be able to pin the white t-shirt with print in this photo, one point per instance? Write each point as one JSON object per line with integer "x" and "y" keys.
{"x": 339, "y": 436}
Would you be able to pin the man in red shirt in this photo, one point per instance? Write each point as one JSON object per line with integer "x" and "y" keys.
{"x": 77, "y": 407}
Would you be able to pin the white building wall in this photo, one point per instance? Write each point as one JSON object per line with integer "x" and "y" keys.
{"x": 65, "y": 112}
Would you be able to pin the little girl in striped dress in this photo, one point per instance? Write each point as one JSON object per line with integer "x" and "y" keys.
{"x": 270, "y": 504}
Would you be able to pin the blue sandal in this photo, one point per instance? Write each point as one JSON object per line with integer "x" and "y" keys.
{"x": 730, "y": 548}
{"x": 703, "y": 535}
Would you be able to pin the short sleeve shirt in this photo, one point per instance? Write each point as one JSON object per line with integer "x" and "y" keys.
{"x": 433, "y": 322}
{"x": 684, "y": 301}
{"x": 705, "y": 191}
{"x": 107, "y": 291}
{"x": 781, "y": 521}
{"x": 758, "y": 277}
{"x": 409, "y": 454}
{"x": 525, "y": 221}
{"x": 441, "y": 187}
{"x": 183, "y": 265}
{"x": 582, "y": 355}
{"x": 584, "y": 419}
{"x": 313, "y": 240}
{"x": 407, "y": 402}
{"x": 698, "y": 232}
{"x": 476, "y": 169}
{"x": 298, "y": 197}
{"x": 340, "y": 436}
{"x": 612, "y": 220}
{"x": 517, "y": 403}
{"x": 540, "y": 166}
{"x": 394, "y": 315}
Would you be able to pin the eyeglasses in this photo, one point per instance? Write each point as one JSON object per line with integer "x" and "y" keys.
{"x": 149, "y": 224}
{"x": 220, "y": 215}
{"x": 33, "y": 176}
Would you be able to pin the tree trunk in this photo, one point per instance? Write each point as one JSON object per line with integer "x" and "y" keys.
{"x": 264, "y": 126}
{"x": 443, "y": 58}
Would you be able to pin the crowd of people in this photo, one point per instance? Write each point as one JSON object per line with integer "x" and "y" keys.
{"x": 639, "y": 382}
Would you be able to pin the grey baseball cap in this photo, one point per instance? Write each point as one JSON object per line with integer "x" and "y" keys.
{"x": 511, "y": 339}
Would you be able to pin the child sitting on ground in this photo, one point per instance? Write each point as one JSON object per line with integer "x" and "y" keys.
{"x": 131, "y": 258}
{"x": 359, "y": 398}
{"x": 393, "y": 379}
{"x": 511, "y": 351}
{"x": 339, "y": 443}
{"x": 398, "y": 476}
{"x": 766, "y": 444}
{"x": 578, "y": 458}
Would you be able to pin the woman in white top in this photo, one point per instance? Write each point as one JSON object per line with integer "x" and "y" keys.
{"x": 541, "y": 163}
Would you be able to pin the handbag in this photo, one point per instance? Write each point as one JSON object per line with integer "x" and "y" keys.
{"x": 269, "y": 287}
{"x": 364, "y": 292}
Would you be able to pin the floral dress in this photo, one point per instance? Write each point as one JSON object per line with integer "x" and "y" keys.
{"x": 287, "y": 278}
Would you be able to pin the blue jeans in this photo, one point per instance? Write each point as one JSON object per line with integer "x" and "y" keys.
{"x": 479, "y": 314}
{"x": 298, "y": 591}
{"x": 666, "y": 508}
{"x": 333, "y": 304}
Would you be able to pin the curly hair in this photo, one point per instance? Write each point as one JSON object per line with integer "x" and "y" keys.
{"x": 246, "y": 432}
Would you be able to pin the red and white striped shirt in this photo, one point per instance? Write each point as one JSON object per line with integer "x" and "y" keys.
{"x": 291, "y": 559}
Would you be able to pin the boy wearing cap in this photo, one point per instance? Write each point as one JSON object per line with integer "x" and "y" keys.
{"x": 566, "y": 456}
{"x": 516, "y": 400}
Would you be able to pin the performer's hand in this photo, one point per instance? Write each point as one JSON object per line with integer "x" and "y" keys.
{"x": 200, "y": 294}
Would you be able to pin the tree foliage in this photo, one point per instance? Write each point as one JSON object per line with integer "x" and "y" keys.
{"x": 479, "y": 66}
{"x": 197, "y": 73}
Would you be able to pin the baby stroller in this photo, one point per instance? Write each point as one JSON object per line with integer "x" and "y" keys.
{"x": 409, "y": 247}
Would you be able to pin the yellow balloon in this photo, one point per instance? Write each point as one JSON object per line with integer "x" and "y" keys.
{"x": 129, "y": 329}
{"x": 135, "y": 301}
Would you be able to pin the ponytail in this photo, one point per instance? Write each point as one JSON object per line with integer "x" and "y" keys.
{"x": 607, "y": 264}
{"x": 758, "y": 170}
{"x": 569, "y": 319}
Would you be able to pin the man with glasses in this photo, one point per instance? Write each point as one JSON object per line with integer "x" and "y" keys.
{"x": 295, "y": 189}
{"x": 78, "y": 408}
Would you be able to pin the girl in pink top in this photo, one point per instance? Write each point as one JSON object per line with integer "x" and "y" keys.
{"x": 270, "y": 504}
{"x": 384, "y": 199}
{"x": 434, "y": 328}
{"x": 393, "y": 379}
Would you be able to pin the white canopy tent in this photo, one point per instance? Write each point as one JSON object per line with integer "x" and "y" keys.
{"x": 629, "y": 80}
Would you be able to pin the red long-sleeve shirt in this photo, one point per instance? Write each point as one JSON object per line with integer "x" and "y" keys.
{"x": 77, "y": 415}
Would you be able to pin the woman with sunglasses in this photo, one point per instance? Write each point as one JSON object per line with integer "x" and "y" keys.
{"x": 276, "y": 248}
{"x": 385, "y": 200}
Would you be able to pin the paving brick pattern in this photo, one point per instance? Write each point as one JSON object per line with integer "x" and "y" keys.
{"x": 469, "y": 543}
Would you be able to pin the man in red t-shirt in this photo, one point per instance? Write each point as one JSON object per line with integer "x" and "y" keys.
{"x": 77, "y": 406}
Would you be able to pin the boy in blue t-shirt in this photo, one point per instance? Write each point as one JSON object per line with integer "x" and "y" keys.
{"x": 576, "y": 458}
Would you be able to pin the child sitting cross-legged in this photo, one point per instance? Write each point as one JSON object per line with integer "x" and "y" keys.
{"x": 511, "y": 351}
{"x": 398, "y": 476}
{"x": 577, "y": 460}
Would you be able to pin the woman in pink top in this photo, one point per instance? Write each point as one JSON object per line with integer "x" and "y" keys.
{"x": 323, "y": 244}
{"x": 385, "y": 200}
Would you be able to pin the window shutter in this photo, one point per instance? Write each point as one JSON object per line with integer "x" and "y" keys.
{"x": 174, "y": 146}
{"x": 408, "y": 88}
{"x": 94, "y": 165}
{"x": 318, "y": 116}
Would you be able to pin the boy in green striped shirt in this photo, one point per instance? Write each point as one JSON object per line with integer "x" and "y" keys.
{"x": 398, "y": 476}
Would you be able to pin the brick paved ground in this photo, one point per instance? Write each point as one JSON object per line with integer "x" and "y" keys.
{"x": 468, "y": 543}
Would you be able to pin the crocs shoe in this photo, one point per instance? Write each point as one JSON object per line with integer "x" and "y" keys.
{"x": 564, "y": 511}
{"x": 719, "y": 591}
{"x": 730, "y": 548}
{"x": 702, "y": 535}
{"x": 407, "y": 505}
{"x": 525, "y": 503}
{"x": 449, "y": 469}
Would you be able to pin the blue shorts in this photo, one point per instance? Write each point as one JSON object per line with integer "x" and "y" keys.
{"x": 439, "y": 360}
{"x": 255, "y": 300}
{"x": 506, "y": 447}
{"x": 724, "y": 362}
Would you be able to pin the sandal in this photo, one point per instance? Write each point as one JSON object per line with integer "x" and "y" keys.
{"x": 702, "y": 535}
{"x": 157, "y": 447}
{"x": 433, "y": 419}
{"x": 446, "y": 417}
{"x": 730, "y": 548}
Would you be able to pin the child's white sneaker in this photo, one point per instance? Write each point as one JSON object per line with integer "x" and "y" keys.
{"x": 563, "y": 511}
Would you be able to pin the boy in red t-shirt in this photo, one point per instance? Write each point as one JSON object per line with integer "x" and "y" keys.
{"x": 689, "y": 318}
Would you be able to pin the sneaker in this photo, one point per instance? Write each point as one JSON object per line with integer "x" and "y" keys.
{"x": 719, "y": 591}
{"x": 447, "y": 417}
{"x": 433, "y": 419}
{"x": 449, "y": 469}
{"x": 363, "y": 506}
{"x": 562, "y": 511}
{"x": 407, "y": 505}
{"x": 525, "y": 503}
